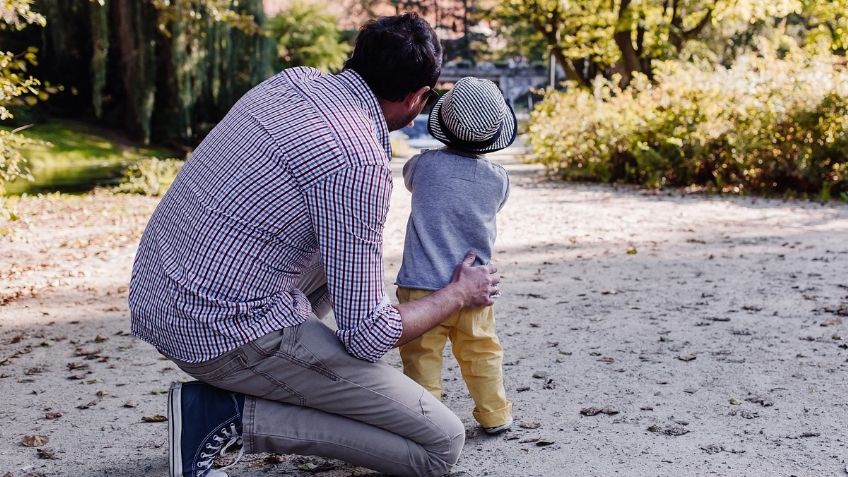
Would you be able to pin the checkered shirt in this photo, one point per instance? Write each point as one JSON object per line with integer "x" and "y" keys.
{"x": 298, "y": 166}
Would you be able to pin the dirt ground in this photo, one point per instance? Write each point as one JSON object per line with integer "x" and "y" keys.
{"x": 710, "y": 332}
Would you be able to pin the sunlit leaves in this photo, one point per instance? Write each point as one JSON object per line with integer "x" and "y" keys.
{"x": 766, "y": 124}
{"x": 194, "y": 12}
{"x": 16, "y": 87}
{"x": 17, "y": 14}
{"x": 308, "y": 36}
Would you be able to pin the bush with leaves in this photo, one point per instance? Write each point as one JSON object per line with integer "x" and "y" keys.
{"x": 149, "y": 176}
{"x": 306, "y": 35}
{"x": 765, "y": 125}
{"x": 16, "y": 87}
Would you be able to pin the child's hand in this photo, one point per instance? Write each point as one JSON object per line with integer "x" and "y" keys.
{"x": 478, "y": 283}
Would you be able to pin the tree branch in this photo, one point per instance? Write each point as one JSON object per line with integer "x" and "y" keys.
{"x": 695, "y": 30}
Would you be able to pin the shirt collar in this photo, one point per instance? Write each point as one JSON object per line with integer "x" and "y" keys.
{"x": 357, "y": 86}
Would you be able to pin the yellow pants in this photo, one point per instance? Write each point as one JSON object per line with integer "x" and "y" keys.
{"x": 477, "y": 350}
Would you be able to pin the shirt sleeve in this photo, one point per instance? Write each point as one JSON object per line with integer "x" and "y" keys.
{"x": 506, "y": 190}
{"x": 409, "y": 171}
{"x": 348, "y": 211}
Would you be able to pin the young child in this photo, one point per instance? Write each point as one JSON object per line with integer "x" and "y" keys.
{"x": 456, "y": 193}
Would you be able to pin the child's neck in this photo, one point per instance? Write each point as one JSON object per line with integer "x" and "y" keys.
{"x": 462, "y": 152}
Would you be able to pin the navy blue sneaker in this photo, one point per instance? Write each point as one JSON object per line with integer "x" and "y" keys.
{"x": 203, "y": 423}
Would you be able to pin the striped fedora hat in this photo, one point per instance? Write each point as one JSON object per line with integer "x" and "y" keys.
{"x": 474, "y": 117}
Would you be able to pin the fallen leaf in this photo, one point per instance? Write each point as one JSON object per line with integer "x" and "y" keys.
{"x": 275, "y": 459}
{"x": 761, "y": 400}
{"x": 33, "y": 440}
{"x": 46, "y": 453}
{"x": 712, "y": 449}
{"x": 592, "y": 411}
{"x": 87, "y": 405}
{"x": 673, "y": 431}
{"x": 155, "y": 418}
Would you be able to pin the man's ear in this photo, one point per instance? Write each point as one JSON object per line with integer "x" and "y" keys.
{"x": 415, "y": 98}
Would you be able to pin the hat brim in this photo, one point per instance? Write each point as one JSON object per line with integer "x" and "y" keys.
{"x": 509, "y": 129}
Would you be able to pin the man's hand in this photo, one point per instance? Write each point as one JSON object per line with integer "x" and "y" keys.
{"x": 477, "y": 285}
{"x": 471, "y": 286}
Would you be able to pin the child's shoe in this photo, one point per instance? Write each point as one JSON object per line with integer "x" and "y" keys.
{"x": 498, "y": 429}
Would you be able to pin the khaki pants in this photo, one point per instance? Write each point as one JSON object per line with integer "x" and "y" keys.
{"x": 308, "y": 396}
{"x": 477, "y": 350}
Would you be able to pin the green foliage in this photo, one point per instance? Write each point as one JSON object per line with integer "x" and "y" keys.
{"x": 149, "y": 176}
{"x": 766, "y": 125}
{"x": 72, "y": 157}
{"x": 194, "y": 14}
{"x": 17, "y": 14}
{"x": 592, "y": 37}
{"x": 307, "y": 36}
{"x": 16, "y": 87}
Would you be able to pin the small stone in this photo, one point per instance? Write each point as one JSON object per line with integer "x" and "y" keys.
{"x": 541, "y": 374}
{"x": 529, "y": 424}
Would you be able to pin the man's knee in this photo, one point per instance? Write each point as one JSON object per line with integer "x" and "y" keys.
{"x": 445, "y": 453}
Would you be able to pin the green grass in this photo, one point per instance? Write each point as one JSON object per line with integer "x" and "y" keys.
{"x": 81, "y": 158}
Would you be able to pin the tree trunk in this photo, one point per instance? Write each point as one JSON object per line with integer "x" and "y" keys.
{"x": 99, "y": 17}
{"x": 630, "y": 60}
{"x": 135, "y": 40}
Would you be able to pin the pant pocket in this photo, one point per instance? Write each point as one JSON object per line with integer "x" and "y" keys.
{"x": 215, "y": 369}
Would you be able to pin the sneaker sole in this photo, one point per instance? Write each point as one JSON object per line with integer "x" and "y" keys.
{"x": 175, "y": 429}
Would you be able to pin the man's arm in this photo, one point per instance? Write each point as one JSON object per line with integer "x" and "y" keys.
{"x": 348, "y": 210}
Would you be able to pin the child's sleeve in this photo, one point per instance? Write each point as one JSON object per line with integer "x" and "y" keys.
{"x": 506, "y": 188}
{"x": 409, "y": 171}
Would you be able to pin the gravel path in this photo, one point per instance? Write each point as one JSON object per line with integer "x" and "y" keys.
{"x": 708, "y": 331}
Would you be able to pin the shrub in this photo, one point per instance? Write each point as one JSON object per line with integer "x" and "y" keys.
{"x": 763, "y": 125}
{"x": 149, "y": 176}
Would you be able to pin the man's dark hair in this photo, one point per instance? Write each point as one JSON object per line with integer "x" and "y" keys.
{"x": 397, "y": 55}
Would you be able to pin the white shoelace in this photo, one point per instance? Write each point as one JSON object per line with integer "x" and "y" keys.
{"x": 222, "y": 442}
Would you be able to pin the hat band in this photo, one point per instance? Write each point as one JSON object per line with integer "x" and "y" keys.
{"x": 468, "y": 144}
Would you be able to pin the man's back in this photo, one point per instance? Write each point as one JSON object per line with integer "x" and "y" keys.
{"x": 220, "y": 259}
